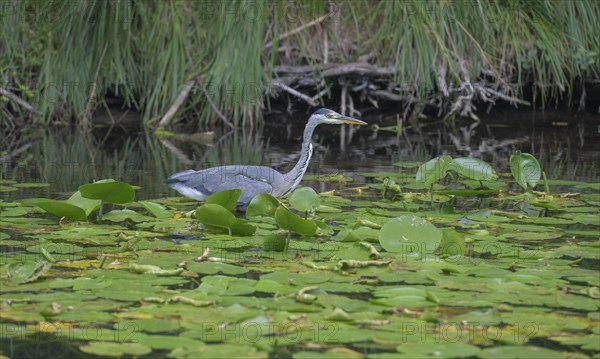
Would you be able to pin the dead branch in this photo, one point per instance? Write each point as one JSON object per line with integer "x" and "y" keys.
{"x": 20, "y": 101}
{"x": 166, "y": 119}
{"x": 16, "y": 152}
{"x": 291, "y": 91}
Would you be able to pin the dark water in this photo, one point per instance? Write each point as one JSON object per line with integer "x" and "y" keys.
{"x": 566, "y": 144}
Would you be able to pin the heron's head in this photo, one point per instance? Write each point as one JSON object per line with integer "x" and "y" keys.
{"x": 325, "y": 115}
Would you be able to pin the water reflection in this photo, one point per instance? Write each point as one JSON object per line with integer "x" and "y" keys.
{"x": 67, "y": 159}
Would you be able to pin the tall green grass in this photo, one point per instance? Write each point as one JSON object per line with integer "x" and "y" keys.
{"x": 68, "y": 58}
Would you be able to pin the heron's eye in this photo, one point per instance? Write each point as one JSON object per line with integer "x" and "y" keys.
{"x": 330, "y": 115}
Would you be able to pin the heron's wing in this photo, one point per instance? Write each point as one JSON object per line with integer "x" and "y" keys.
{"x": 250, "y": 186}
{"x": 190, "y": 178}
{"x": 252, "y": 180}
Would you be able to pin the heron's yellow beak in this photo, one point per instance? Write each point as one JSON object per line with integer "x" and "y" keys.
{"x": 350, "y": 120}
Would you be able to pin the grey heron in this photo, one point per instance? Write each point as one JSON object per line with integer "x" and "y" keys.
{"x": 254, "y": 180}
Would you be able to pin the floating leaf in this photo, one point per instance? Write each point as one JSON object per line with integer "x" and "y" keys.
{"x": 467, "y": 192}
{"x": 448, "y": 349}
{"x": 409, "y": 233}
{"x": 453, "y": 243}
{"x": 525, "y": 169}
{"x": 31, "y": 185}
{"x": 120, "y": 215}
{"x": 152, "y": 269}
{"x": 28, "y": 272}
{"x": 304, "y": 199}
{"x": 227, "y": 199}
{"x": 108, "y": 191}
{"x": 292, "y": 222}
{"x": 115, "y": 349}
{"x": 519, "y": 351}
{"x": 274, "y": 243}
{"x": 157, "y": 209}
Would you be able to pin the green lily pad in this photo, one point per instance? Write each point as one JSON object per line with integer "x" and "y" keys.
{"x": 519, "y": 352}
{"x": 473, "y": 168}
{"x": 216, "y": 267}
{"x": 433, "y": 170}
{"x": 292, "y": 222}
{"x": 304, "y": 199}
{"x": 115, "y": 349}
{"x": 438, "y": 350}
{"x": 31, "y": 185}
{"x": 409, "y": 233}
{"x": 274, "y": 243}
{"x": 490, "y": 218}
{"x": 525, "y": 169}
{"x": 263, "y": 205}
{"x": 88, "y": 205}
{"x": 108, "y": 191}
{"x": 217, "y": 216}
{"x": 156, "y": 209}
{"x": 152, "y": 269}
{"x": 227, "y": 199}
{"x": 62, "y": 209}
{"x": 120, "y": 215}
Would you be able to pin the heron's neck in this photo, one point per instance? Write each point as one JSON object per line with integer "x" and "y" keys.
{"x": 294, "y": 176}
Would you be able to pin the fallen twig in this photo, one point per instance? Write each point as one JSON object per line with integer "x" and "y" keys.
{"x": 291, "y": 91}
{"x": 20, "y": 101}
{"x": 185, "y": 91}
{"x": 16, "y": 152}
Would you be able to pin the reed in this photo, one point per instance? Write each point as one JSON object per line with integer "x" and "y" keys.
{"x": 66, "y": 59}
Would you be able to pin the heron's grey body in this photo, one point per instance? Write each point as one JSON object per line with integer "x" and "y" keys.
{"x": 254, "y": 180}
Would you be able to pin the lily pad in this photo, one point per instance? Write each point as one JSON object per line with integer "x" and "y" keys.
{"x": 227, "y": 199}
{"x": 62, "y": 209}
{"x": 108, "y": 191}
{"x": 157, "y": 209}
{"x": 290, "y": 221}
{"x": 525, "y": 169}
{"x": 433, "y": 170}
{"x": 31, "y": 185}
{"x": 115, "y": 349}
{"x": 473, "y": 168}
{"x": 304, "y": 199}
{"x": 263, "y": 205}
{"x": 409, "y": 233}
{"x": 438, "y": 350}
